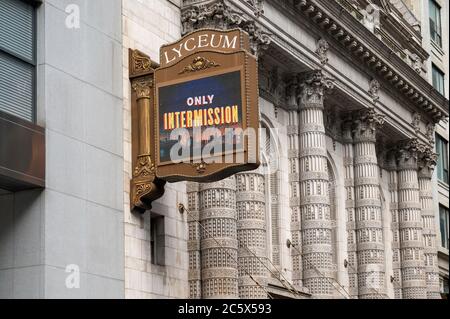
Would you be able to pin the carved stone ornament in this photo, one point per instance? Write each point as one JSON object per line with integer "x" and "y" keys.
{"x": 416, "y": 63}
{"x": 408, "y": 149}
{"x": 322, "y": 50}
{"x": 199, "y": 64}
{"x": 257, "y": 6}
{"x": 313, "y": 87}
{"x": 416, "y": 122}
{"x": 428, "y": 158}
{"x": 366, "y": 124}
{"x": 430, "y": 134}
{"x": 219, "y": 15}
{"x": 374, "y": 88}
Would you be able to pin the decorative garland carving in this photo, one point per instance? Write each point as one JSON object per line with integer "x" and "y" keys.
{"x": 199, "y": 64}
{"x": 322, "y": 50}
{"x": 374, "y": 88}
{"x": 416, "y": 122}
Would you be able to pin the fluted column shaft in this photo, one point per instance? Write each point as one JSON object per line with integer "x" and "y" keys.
{"x": 369, "y": 225}
{"x": 350, "y": 208}
{"x": 194, "y": 235}
{"x": 316, "y": 231}
{"x": 219, "y": 245}
{"x": 429, "y": 228}
{"x": 393, "y": 208}
{"x": 251, "y": 233}
{"x": 294, "y": 200}
{"x": 410, "y": 225}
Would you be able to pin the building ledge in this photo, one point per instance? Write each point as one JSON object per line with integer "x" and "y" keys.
{"x": 22, "y": 154}
{"x": 362, "y": 43}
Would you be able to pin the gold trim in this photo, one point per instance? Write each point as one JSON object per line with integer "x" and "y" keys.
{"x": 199, "y": 64}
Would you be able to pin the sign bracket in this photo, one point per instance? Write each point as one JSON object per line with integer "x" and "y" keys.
{"x": 145, "y": 186}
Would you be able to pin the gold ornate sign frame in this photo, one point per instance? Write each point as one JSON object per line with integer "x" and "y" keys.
{"x": 202, "y": 53}
{"x": 200, "y": 65}
{"x": 145, "y": 186}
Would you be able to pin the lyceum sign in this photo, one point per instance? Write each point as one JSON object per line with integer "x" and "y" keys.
{"x": 206, "y": 107}
{"x": 223, "y": 41}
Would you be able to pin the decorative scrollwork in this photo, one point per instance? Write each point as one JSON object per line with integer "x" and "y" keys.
{"x": 200, "y": 167}
{"x": 144, "y": 167}
{"x": 141, "y": 63}
{"x": 199, "y": 64}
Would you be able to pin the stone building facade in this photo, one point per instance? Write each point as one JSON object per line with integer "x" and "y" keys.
{"x": 346, "y": 203}
{"x": 347, "y": 99}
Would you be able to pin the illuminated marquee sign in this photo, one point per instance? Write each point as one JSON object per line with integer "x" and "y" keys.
{"x": 206, "y": 107}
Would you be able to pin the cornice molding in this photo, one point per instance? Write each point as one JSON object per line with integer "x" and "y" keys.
{"x": 342, "y": 26}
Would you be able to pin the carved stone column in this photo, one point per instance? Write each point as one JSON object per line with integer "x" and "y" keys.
{"x": 219, "y": 245}
{"x": 294, "y": 182}
{"x": 369, "y": 225}
{"x": 410, "y": 219}
{"x": 393, "y": 208}
{"x": 427, "y": 163}
{"x": 195, "y": 232}
{"x": 314, "y": 199}
{"x": 251, "y": 232}
{"x": 349, "y": 183}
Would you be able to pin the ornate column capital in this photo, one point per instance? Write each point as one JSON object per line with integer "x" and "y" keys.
{"x": 219, "y": 15}
{"x": 366, "y": 124}
{"x": 427, "y": 161}
{"x": 143, "y": 87}
{"x": 313, "y": 86}
{"x": 408, "y": 152}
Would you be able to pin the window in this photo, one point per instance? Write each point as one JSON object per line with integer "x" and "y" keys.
{"x": 157, "y": 240}
{"x": 442, "y": 165}
{"x": 438, "y": 80}
{"x": 443, "y": 222}
{"x": 17, "y": 58}
{"x": 443, "y": 283}
{"x": 435, "y": 23}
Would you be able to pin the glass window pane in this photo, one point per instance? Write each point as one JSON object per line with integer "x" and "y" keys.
{"x": 16, "y": 87}
{"x": 435, "y": 22}
{"x": 16, "y": 28}
{"x": 443, "y": 214}
{"x": 438, "y": 79}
